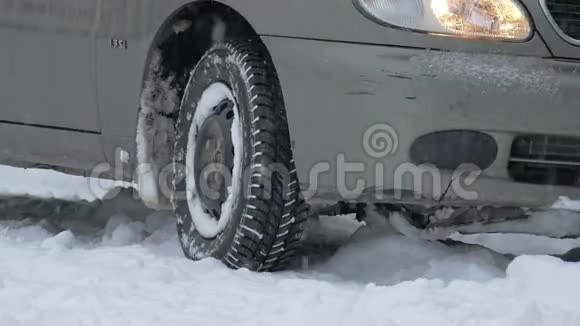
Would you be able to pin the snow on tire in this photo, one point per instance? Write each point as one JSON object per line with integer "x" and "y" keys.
{"x": 254, "y": 218}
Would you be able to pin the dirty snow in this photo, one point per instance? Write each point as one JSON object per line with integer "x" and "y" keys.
{"x": 130, "y": 271}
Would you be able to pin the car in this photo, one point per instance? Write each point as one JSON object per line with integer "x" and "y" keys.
{"x": 247, "y": 117}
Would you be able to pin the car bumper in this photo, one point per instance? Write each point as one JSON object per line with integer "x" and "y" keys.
{"x": 337, "y": 93}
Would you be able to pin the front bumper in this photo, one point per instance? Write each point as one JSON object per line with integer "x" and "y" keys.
{"x": 336, "y": 92}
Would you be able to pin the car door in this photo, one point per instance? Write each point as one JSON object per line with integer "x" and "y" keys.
{"x": 47, "y": 64}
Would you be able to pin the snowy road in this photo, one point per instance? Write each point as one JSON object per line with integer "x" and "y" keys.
{"x": 61, "y": 272}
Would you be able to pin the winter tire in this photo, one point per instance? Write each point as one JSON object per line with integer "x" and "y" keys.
{"x": 236, "y": 193}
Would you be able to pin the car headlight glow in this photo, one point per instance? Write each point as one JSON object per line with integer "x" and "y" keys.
{"x": 497, "y": 19}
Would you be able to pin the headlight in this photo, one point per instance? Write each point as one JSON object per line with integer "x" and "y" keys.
{"x": 499, "y": 19}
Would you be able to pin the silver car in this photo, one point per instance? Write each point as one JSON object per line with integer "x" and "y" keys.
{"x": 248, "y": 116}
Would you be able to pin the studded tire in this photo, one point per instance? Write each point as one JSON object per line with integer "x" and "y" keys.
{"x": 265, "y": 229}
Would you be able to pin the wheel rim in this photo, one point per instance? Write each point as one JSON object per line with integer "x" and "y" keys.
{"x": 214, "y": 155}
{"x": 214, "y": 160}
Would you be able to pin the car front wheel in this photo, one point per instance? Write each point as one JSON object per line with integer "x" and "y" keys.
{"x": 236, "y": 193}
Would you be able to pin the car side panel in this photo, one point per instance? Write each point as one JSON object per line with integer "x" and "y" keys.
{"x": 49, "y": 113}
{"x": 47, "y": 63}
{"x": 30, "y": 147}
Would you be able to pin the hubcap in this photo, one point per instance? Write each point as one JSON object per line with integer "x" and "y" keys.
{"x": 214, "y": 158}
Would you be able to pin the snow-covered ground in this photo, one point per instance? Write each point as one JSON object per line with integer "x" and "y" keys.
{"x": 130, "y": 271}
{"x": 49, "y": 184}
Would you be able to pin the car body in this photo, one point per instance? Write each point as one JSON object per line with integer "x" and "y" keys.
{"x": 75, "y": 75}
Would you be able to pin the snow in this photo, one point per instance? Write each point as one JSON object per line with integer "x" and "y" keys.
{"x": 155, "y": 132}
{"x": 567, "y": 203}
{"x": 182, "y": 26}
{"x": 63, "y": 240}
{"x": 421, "y": 260}
{"x": 390, "y": 281}
{"x": 48, "y": 184}
{"x": 131, "y": 271}
{"x": 121, "y": 231}
{"x": 124, "y": 156}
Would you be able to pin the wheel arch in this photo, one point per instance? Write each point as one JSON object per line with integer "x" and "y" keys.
{"x": 187, "y": 33}
{"x": 177, "y": 46}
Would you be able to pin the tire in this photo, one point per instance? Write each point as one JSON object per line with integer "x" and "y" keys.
{"x": 264, "y": 213}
